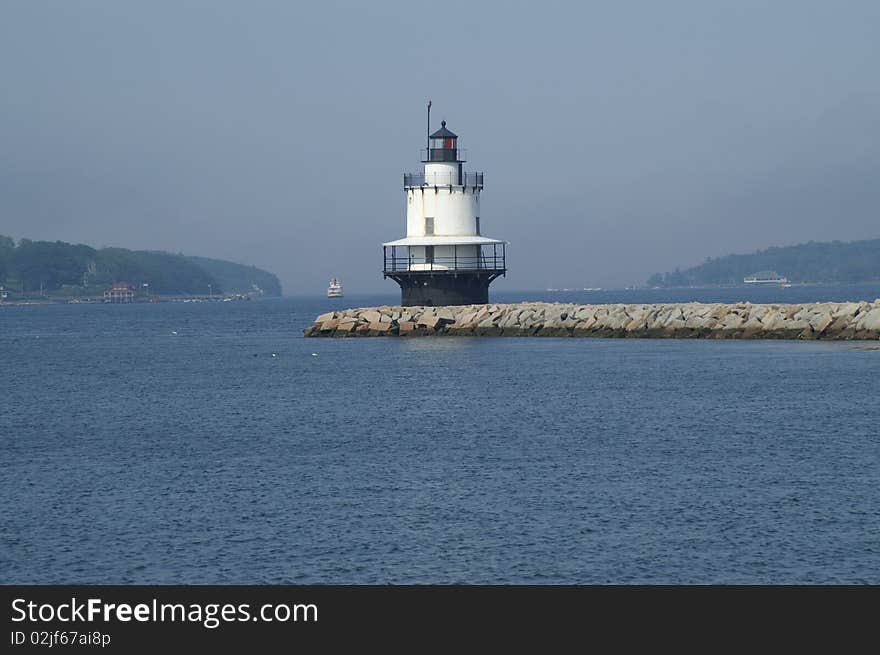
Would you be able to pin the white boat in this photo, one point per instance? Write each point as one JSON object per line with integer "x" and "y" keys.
{"x": 766, "y": 277}
{"x": 335, "y": 289}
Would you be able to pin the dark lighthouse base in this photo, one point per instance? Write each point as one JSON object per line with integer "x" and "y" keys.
{"x": 434, "y": 288}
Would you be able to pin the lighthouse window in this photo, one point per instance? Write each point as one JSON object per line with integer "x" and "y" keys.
{"x": 429, "y": 226}
{"x": 478, "y": 225}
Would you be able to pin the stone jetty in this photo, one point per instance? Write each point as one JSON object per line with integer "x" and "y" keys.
{"x": 828, "y": 320}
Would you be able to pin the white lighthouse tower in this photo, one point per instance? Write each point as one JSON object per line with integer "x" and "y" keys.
{"x": 444, "y": 258}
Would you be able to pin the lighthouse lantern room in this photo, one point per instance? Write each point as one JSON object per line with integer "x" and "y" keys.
{"x": 444, "y": 259}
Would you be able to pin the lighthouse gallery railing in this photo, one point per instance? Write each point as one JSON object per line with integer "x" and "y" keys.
{"x": 493, "y": 260}
{"x": 442, "y": 179}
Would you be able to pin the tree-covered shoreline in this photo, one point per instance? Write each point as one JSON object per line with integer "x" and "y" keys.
{"x": 57, "y": 268}
{"x": 813, "y": 262}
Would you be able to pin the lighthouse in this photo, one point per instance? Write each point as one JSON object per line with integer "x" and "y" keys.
{"x": 444, "y": 258}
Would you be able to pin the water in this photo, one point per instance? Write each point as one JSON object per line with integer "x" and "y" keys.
{"x": 228, "y": 453}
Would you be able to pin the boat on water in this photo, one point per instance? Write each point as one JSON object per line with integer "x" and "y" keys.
{"x": 767, "y": 277}
{"x": 335, "y": 289}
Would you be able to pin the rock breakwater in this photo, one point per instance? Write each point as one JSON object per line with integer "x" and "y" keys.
{"x": 843, "y": 320}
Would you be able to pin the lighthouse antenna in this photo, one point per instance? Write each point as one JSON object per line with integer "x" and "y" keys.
{"x": 428, "y": 140}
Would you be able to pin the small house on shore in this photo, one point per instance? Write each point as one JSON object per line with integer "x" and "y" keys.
{"x": 120, "y": 292}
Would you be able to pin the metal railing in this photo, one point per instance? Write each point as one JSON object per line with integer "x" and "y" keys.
{"x": 411, "y": 180}
{"x": 442, "y": 154}
{"x": 458, "y": 263}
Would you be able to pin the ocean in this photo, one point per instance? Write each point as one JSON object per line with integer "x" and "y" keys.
{"x": 211, "y": 443}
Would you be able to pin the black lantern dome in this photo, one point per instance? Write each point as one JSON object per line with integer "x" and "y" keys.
{"x": 443, "y": 146}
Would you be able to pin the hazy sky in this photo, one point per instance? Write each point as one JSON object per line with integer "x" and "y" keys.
{"x": 618, "y": 139}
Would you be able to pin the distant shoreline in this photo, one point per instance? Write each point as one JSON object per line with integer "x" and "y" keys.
{"x": 765, "y": 285}
{"x": 137, "y": 301}
{"x": 846, "y": 262}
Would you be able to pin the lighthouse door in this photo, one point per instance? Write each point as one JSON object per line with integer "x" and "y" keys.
{"x": 429, "y": 254}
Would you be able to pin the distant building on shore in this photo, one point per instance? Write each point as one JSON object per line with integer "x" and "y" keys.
{"x": 120, "y": 292}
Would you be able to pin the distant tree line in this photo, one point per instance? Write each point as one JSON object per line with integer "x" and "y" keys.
{"x": 76, "y": 269}
{"x": 856, "y": 261}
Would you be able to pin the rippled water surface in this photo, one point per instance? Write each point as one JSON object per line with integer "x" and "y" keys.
{"x": 211, "y": 443}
